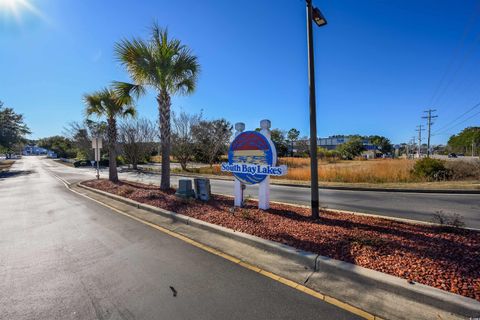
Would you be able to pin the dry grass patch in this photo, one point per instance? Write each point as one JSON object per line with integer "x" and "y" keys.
{"x": 6, "y": 164}
{"x": 371, "y": 171}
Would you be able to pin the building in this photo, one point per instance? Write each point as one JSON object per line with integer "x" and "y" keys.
{"x": 333, "y": 142}
{"x": 34, "y": 150}
{"x": 37, "y": 151}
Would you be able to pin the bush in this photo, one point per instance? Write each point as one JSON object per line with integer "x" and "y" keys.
{"x": 461, "y": 170}
{"x": 448, "y": 220}
{"x": 120, "y": 161}
{"x": 431, "y": 169}
{"x": 81, "y": 163}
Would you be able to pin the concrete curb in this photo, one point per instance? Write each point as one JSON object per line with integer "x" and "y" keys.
{"x": 437, "y": 298}
{"x": 340, "y": 188}
{"x": 440, "y": 299}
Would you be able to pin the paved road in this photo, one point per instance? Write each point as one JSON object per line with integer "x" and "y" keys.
{"x": 416, "y": 206}
{"x": 65, "y": 257}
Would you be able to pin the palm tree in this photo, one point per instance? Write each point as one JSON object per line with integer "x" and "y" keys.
{"x": 165, "y": 65}
{"x": 106, "y": 103}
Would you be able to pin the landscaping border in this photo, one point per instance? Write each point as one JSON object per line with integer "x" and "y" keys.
{"x": 437, "y": 298}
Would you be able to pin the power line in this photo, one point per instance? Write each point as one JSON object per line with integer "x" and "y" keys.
{"x": 448, "y": 127}
{"x": 456, "y": 52}
{"x": 460, "y": 67}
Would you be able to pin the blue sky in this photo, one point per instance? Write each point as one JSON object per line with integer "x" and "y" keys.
{"x": 379, "y": 63}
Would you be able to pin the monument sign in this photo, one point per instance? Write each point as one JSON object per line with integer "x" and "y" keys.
{"x": 252, "y": 159}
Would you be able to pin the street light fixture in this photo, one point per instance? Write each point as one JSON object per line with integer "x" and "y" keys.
{"x": 318, "y": 17}
{"x": 313, "y": 14}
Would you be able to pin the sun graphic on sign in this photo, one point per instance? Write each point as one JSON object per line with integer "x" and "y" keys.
{"x": 16, "y": 7}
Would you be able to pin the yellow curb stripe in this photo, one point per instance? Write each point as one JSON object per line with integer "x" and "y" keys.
{"x": 270, "y": 275}
{"x": 287, "y": 282}
{"x": 311, "y": 292}
{"x": 350, "y": 308}
{"x": 249, "y": 266}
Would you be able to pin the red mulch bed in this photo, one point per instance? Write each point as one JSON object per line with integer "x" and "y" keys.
{"x": 444, "y": 258}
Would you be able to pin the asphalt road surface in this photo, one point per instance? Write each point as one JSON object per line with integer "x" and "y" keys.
{"x": 65, "y": 257}
{"x": 415, "y": 206}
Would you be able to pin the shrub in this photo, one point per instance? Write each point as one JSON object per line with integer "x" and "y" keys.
{"x": 431, "y": 169}
{"x": 81, "y": 163}
{"x": 448, "y": 220}
{"x": 352, "y": 148}
{"x": 461, "y": 170}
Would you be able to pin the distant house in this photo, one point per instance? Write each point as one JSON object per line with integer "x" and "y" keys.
{"x": 34, "y": 150}
{"x": 333, "y": 142}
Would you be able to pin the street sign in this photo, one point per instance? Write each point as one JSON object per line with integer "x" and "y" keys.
{"x": 252, "y": 159}
{"x": 97, "y": 145}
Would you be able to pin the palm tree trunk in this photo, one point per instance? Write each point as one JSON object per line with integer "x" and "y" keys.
{"x": 164, "y": 104}
{"x": 112, "y": 155}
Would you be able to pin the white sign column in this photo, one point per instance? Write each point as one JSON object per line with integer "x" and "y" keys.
{"x": 238, "y": 186}
{"x": 264, "y": 186}
{"x": 97, "y": 145}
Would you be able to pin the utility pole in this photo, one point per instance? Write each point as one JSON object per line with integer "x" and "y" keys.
{"x": 429, "y": 118}
{"x": 473, "y": 147}
{"x": 412, "y": 144}
{"x": 419, "y": 130}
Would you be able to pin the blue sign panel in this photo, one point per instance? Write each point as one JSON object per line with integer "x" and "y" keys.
{"x": 250, "y": 158}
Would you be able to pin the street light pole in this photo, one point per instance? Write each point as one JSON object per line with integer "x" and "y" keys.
{"x": 313, "y": 14}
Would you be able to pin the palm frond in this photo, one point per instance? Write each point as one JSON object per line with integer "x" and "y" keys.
{"x": 107, "y": 103}
{"x": 129, "y": 111}
{"x": 136, "y": 56}
{"x": 127, "y": 93}
{"x": 160, "y": 62}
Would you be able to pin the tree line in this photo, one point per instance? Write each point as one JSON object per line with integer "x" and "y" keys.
{"x": 12, "y": 131}
{"x": 466, "y": 141}
{"x": 193, "y": 139}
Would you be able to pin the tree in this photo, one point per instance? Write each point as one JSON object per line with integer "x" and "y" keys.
{"x": 382, "y": 143}
{"x": 351, "y": 149}
{"x": 211, "y": 139}
{"x": 137, "y": 138}
{"x": 303, "y": 147}
{"x": 183, "y": 146}
{"x": 167, "y": 66}
{"x": 278, "y": 139}
{"x": 465, "y": 140}
{"x": 62, "y": 146}
{"x": 106, "y": 103}
{"x": 292, "y": 136}
{"x": 81, "y": 135}
{"x": 12, "y": 129}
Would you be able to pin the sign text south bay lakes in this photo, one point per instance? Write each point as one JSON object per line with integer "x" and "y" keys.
{"x": 254, "y": 169}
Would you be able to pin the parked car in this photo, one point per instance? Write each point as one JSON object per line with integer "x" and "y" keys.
{"x": 452, "y": 155}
